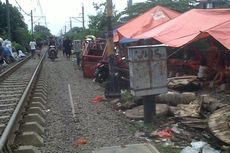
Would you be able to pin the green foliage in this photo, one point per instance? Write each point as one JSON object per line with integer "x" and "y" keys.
{"x": 76, "y": 33}
{"x": 126, "y": 96}
{"x": 98, "y": 23}
{"x": 16, "y": 20}
{"x": 41, "y": 32}
{"x": 19, "y": 30}
{"x": 22, "y": 37}
{"x": 17, "y": 47}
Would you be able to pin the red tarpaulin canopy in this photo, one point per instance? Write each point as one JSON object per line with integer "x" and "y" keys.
{"x": 193, "y": 25}
{"x": 145, "y": 22}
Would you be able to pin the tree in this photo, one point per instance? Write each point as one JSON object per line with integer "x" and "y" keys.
{"x": 41, "y": 32}
{"x": 75, "y": 33}
{"x": 98, "y": 22}
{"x": 19, "y": 30}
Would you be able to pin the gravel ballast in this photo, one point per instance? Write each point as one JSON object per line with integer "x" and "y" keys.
{"x": 98, "y": 123}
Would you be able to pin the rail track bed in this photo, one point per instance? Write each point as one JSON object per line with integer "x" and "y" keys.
{"x": 17, "y": 87}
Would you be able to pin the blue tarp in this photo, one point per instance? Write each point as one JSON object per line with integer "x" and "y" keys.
{"x": 127, "y": 40}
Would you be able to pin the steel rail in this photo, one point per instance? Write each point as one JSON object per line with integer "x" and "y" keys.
{"x": 8, "y": 72}
{"x": 7, "y": 131}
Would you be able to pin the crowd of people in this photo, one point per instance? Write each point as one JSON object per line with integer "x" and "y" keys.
{"x": 8, "y": 54}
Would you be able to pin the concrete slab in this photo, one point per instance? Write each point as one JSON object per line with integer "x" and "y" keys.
{"x": 134, "y": 148}
{"x": 30, "y": 138}
{"x": 40, "y": 91}
{"x": 33, "y": 127}
{"x": 39, "y": 99}
{"x": 37, "y": 104}
{"x": 36, "y": 110}
{"x": 40, "y": 94}
{"x": 34, "y": 118}
{"x": 26, "y": 149}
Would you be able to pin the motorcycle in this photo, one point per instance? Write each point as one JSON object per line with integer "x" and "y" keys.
{"x": 52, "y": 53}
{"x": 120, "y": 68}
{"x": 101, "y": 72}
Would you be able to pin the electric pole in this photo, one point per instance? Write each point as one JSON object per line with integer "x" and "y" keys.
{"x": 65, "y": 29}
{"x": 70, "y": 23}
{"x": 32, "y": 23}
{"x": 112, "y": 87}
{"x": 8, "y": 19}
{"x": 83, "y": 17}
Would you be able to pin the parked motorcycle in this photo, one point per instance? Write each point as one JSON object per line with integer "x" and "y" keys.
{"x": 120, "y": 68}
{"x": 52, "y": 53}
{"x": 102, "y": 72}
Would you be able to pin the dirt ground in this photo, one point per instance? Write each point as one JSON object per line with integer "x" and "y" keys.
{"x": 96, "y": 125}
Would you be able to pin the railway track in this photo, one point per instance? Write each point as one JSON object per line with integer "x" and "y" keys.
{"x": 17, "y": 89}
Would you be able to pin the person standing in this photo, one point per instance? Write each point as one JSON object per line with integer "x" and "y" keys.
{"x": 32, "y": 48}
{"x": 67, "y": 44}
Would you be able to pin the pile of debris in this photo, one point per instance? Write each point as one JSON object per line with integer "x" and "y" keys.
{"x": 188, "y": 117}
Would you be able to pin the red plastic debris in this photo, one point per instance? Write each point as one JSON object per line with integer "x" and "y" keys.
{"x": 80, "y": 141}
{"x": 97, "y": 99}
{"x": 166, "y": 133}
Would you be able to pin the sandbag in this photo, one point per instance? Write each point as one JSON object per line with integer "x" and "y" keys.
{"x": 175, "y": 98}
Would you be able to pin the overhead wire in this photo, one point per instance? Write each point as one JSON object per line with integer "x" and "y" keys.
{"x": 28, "y": 14}
{"x": 41, "y": 10}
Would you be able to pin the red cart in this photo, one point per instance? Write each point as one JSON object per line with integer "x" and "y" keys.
{"x": 93, "y": 52}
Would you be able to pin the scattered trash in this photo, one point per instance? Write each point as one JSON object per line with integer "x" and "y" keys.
{"x": 176, "y": 130}
{"x": 47, "y": 110}
{"x": 167, "y": 142}
{"x": 189, "y": 150}
{"x": 80, "y": 141}
{"x": 166, "y": 133}
{"x": 208, "y": 149}
{"x": 97, "y": 99}
{"x": 199, "y": 147}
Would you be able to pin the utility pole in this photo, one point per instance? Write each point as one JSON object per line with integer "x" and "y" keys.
{"x": 83, "y": 17}
{"x": 109, "y": 27}
{"x": 112, "y": 87}
{"x": 70, "y": 23}
{"x": 8, "y": 19}
{"x": 32, "y": 23}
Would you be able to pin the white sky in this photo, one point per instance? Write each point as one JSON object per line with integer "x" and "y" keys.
{"x": 58, "y": 12}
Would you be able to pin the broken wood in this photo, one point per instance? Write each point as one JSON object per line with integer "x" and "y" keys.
{"x": 195, "y": 123}
{"x": 219, "y": 124}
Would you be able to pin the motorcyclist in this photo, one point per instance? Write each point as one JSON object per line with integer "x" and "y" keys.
{"x": 52, "y": 43}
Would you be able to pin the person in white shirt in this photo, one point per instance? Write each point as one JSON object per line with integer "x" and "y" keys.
{"x": 32, "y": 47}
{"x": 203, "y": 70}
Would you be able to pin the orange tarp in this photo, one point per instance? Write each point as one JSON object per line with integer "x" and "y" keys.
{"x": 193, "y": 25}
{"x": 145, "y": 22}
